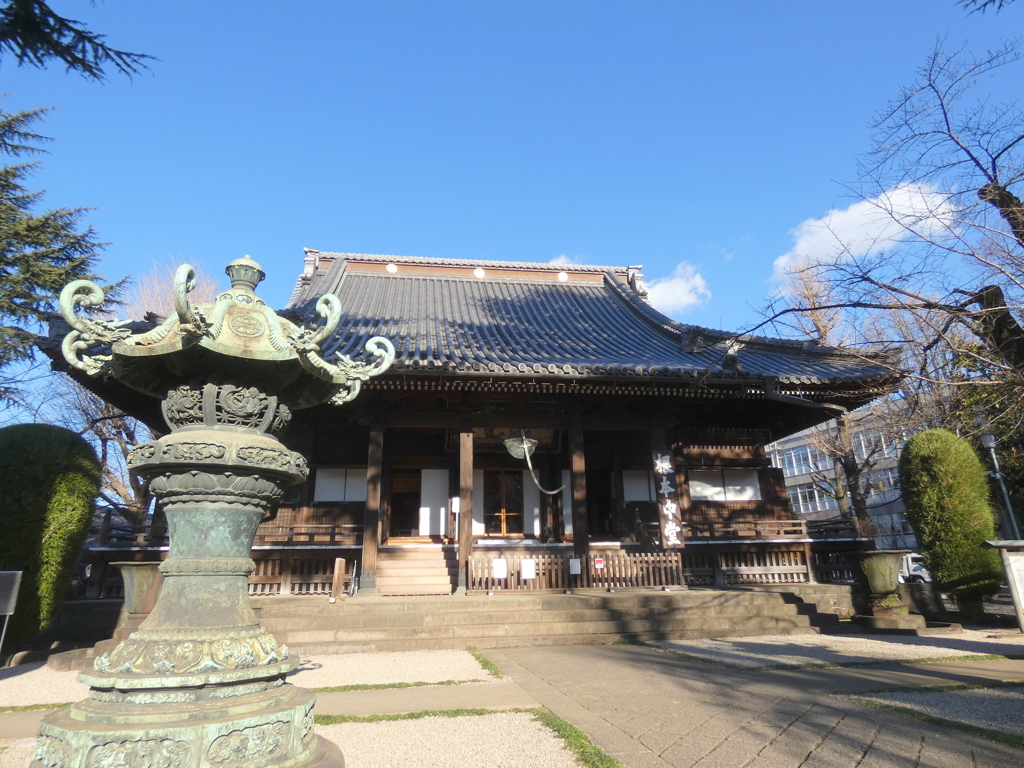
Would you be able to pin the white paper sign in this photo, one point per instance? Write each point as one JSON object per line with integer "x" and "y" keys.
{"x": 574, "y": 566}
{"x": 1017, "y": 567}
{"x": 528, "y": 569}
{"x": 499, "y": 568}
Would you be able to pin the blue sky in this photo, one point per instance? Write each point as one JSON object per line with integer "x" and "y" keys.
{"x": 693, "y": 138}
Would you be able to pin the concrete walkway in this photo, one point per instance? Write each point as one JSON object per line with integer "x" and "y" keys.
{"x": 651, "y": 708}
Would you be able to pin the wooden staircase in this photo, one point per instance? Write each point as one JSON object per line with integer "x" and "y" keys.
{"x": 418, "y": 569}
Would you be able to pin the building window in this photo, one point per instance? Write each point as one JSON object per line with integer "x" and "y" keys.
{"x": 807, "y": 497}
{"x": 873, "y": 444}
{"x": 724, "y": 485}
{"x": 339, "y": 485}
{"x": 638, "y": 485}
{"x": 884, "y": 481}
{"x": 802, "y": 460}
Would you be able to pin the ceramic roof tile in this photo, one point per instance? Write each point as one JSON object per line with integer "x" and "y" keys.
{"x": 528, "y": 326}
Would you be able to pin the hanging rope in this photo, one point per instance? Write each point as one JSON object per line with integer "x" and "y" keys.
{"x": 533, "y": 472}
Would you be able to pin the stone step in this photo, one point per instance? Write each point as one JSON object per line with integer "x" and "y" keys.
{"x": 341, "y": 620}
{"x": 663, "y": 628}
{"x": 416, "y": 570}
{"x": 274, "y": 607}
{"x": 439, "y": 644}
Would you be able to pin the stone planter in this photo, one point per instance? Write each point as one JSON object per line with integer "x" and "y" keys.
{"x": 141, "y": 585}
{"x": 882, "y": 569}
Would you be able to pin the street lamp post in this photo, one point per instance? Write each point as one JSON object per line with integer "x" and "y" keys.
{"x": 989, "y": 441}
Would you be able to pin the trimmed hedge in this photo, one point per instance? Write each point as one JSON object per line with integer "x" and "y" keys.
{"x": 49, "y": 478}
{"x": 946, "y": 493}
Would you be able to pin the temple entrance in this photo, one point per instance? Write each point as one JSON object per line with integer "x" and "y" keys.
{"x": 503, "y": 503}
{"x": 405, "y": 503}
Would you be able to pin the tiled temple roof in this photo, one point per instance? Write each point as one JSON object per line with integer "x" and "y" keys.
{"x": 520, "y": 319}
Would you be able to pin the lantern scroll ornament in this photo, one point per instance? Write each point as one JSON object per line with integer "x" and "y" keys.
{"x": 200, "y": 672}
{"x": 346, "y": 373}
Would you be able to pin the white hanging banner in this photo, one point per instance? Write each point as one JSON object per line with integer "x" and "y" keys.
{"x": 528, "y": 569}
{"x": 499, "y": 568}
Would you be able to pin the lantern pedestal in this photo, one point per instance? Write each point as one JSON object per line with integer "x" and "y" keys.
{"x": 201, "y": 684}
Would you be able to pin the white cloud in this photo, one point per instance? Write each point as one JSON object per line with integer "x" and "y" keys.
{"x": 685, "y": 289}
{"x": 867, "y": 227}
{"x": 563, "y": 260}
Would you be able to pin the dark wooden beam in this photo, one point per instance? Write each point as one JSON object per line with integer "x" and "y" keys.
{"x": 371, "y": 521}
{"x": 580, "y": 527}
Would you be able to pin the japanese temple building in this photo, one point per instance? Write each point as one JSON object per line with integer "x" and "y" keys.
{"x": 646, "y": 462}
{"x": 649, "y": 435}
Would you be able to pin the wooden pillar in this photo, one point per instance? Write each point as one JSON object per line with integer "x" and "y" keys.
{"x": 371, "y": 520}
{"x": 580, "y": 529}
{"x": 623, "y": 528}
{"x": 465, "y": 502}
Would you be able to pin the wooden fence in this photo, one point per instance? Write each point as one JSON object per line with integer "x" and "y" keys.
{"x": 147, "y": 537}
{"x": 704, "y": 567}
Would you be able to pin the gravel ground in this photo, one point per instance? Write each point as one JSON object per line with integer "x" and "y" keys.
{"x": 996, "y": 709}
{"x": 385, "y": 668}
{"x": 38, "y": 684}
{"x": 783, "y": 650}
{"x": 500, "y": 740}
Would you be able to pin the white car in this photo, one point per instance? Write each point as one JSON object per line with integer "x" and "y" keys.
{"x": 912, "y": 570}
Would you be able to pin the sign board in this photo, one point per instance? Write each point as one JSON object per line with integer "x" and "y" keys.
{"x": 9, "y": 583}
{"x": 598, "y": 563}
{"x": 528, "y": 569}
{"x": 1017, "y": 567}
{"x": 499, "y": 568}
{"x": 574, "y": 566}
{"x": 668, "y": 498}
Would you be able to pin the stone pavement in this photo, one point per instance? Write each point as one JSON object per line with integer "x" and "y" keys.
{"x": 651, "y": 709}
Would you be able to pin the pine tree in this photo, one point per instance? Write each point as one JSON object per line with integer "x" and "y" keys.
{"x": 40, "y": 250}
{"x": 35, "y": 34}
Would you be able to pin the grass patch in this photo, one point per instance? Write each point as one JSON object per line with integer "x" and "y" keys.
{"x": 491, "y": 668}
{"x": 382, "y": 686}
{"x": 575, "y": 740}
{"x": 338, "y": 719}
{"x": 31, "y": 707}
{"x": 974, "y": 730}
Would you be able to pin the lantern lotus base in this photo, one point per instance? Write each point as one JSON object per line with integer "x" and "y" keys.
{"x": 265, "y": 724}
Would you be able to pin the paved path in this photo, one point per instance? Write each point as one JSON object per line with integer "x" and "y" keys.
{"x": 654, "y": 710}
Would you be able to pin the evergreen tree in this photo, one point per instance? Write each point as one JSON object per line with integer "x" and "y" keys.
{"x": 41, "y": 251}
{"x": 36, "y": 34}
{"x": 947, "y": 498}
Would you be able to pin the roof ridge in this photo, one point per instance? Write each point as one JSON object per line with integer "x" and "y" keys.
{"x": 465, "y": 262}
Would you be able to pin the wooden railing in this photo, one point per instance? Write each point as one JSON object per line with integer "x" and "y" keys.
{"x": 555, "y": 572}
{"x": 144, "y": 537}
{"x": 759, "y": 529}
{"x": 291, "y": 573}
{"x": 287, "y": 535}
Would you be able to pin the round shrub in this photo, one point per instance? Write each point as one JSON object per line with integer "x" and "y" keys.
{"x": 49, "y": 478}
{"x": 946, "y": 493}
